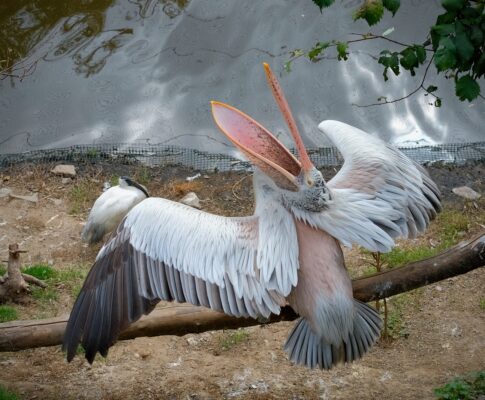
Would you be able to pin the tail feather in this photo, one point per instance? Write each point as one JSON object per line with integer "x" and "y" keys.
{"x": 307, "y": 348}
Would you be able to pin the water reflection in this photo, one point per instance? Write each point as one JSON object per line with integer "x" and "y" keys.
{"x": 35, "y": 30}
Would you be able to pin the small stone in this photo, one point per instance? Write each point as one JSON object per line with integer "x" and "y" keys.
{"x": 64, "y": 170}
{"x": 57, "y": 202}
{"x": 456, "y": 331}
{"x": 34, "y": 198}
{"x": 439, "y": 288}
{"x": 191, "y": 199}
{"x": 65, "y": 181}
{"x": 466, "y": 193}
{"x": 4, "y": 192}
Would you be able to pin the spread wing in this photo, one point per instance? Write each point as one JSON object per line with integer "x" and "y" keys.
{"x": 164, "y": 250}
{"x": 378, "y": 194}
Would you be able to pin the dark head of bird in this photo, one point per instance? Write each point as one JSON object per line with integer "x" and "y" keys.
{"x": 130, "y": 182}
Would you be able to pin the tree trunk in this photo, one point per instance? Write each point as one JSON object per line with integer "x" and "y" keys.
{"x": 13, "y": 286}
{"x": 181, "y": 319}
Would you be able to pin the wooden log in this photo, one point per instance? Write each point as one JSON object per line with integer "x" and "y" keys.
{"x": 181, "y": 319}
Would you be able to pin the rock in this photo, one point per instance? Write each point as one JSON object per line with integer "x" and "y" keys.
{"x": 34, "y": 198}
{"x": 191, "y": 199}
{"x": 4, "y": 192}
{"x": 65, "y": 181}
{"x": 466, "y": 193}
{"x": 64, "y": 170}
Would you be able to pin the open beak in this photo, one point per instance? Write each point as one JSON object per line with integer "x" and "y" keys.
{"x": 261, "y": 148}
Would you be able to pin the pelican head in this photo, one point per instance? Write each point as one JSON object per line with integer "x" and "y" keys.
{"x": 297, "y": 182}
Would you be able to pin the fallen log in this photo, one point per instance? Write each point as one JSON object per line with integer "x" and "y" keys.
{"x": 181, "y": 319}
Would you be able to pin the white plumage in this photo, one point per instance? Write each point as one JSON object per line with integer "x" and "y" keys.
{"x": 110, "y": 208}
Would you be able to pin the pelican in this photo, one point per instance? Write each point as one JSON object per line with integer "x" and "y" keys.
{"x": 288, "y": 252}
{"x": 110, "y": 208}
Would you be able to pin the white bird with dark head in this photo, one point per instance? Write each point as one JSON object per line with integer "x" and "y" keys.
{"x": 110, "y": 208}
{"x": 288, "y": 252}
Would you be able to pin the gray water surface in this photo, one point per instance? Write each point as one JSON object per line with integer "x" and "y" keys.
{"x": 144, "y": 71}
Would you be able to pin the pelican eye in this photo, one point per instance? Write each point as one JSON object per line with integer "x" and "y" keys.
{"x": 310, "y": 182}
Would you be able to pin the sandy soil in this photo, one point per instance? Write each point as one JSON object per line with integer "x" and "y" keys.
{"x": 444, "y": 321}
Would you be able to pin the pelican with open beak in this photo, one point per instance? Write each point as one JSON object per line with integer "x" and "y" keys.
{"x": 288, "y": 252}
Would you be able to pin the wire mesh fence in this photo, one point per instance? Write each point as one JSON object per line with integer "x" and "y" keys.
{"x": 167, "y": 155}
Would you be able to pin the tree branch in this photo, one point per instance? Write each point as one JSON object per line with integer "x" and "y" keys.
{"x": 420, "y": 86}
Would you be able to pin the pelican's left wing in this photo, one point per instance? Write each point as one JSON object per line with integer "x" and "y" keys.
{"x": 378, "y": 194}
{"x": 164, "y": 250}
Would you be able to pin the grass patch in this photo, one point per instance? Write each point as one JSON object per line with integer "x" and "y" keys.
{"x": 73, "y": 278}
{"x": 3, "y": 269}
{"x": 7, "y": 313}
{"x": 396, "y": 326}
{"x": 469, "y": 387}
{"x": 143, "y": 175}
{"x": 399, "y": 256}
{"x": 82, "y": 196}
{"x": 6, "y": 394}
{"x": 482, "y": 304}
{"x": 40, "y": 271}
{"x": 448, "y": 228}
{"x": 233, "y": 338}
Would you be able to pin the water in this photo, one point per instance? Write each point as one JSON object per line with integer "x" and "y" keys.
{"x": 143, "y": 71}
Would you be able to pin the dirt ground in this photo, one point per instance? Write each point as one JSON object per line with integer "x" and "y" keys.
{"x": 445, "y": 322}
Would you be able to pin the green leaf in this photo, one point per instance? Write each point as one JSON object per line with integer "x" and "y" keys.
{"x": 392, "y": 5}
{"x": 420, "y": 53}
{"x": 445, "y": 56}
{"x": 389, "y": 60}
{"x": 372, "y": 11}
{"x": 437, "y": 102}
{"x": 476, "y": 36}
{"x": 453, "y": 5}
{"x": 479, "y": 67}
{"x": 323, "y": 3}
{"x": 342, "y": 50}
{"x": 443, "y": 29}
{"x": 464, "y": 46}
{"x": 467, "y": 88}
{"x": 409, "y": 60}
{"x": 287, "y": 66}
{"x": 317, "y": 50}
{"x": 431, "y": 89}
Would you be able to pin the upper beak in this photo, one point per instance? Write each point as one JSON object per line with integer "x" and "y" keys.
{"x": 287, "y": 114}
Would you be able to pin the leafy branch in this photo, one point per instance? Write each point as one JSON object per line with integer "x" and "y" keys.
{"x": 456, "y": 44}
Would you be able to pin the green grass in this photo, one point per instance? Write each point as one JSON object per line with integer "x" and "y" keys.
{"x": 7, "y": 313}
{"x": 469, "y": 387}
{"x": 399, "y": 256}
{"x": 396, "y": 326}
{"x": 3, "y": 269}
{"x": 143, "y": 175}
{"x": 40, "y": 271}
{"x": 482, "y": 303}
{"x": 233, "y": 338}
{"x": 448, "y": 227}
{"x": 6, "y": 394}
{"x": 82, "y": 196}
{"x": 68, "y": 280}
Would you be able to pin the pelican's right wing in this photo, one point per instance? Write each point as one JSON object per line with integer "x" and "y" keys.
{"x": 164, "y": 250}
